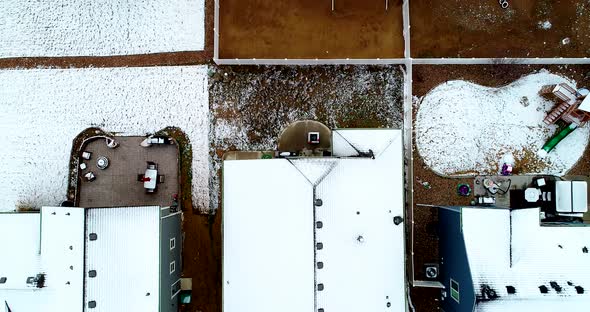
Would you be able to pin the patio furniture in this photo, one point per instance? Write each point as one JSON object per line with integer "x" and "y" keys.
{"x": 571, "y": 198}
{"x": 90, "y": 176}
{"x": 140, "y": 177}
{"x": 86, "y": 155}
{"x": 111, "y": 143}
{"x": 152, "y": 165}
{"x": 150, "y": 178}
{"x": 161, "y": 178}
{"x": 82, "y": 166}
{"x": 102, "y": 162}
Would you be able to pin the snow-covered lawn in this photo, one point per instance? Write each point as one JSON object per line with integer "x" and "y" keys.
{"x": 89, "y": 28}
{"x": 42, "y": 110}
{"x": 465, "y": 128}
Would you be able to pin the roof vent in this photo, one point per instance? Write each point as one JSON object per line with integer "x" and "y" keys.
{"x": 320, "y": 265}
{"x": 92, "y": 273}
{"x": 510, "y": 289}
{"x": 93, "y": 236}
{"x": 555, "y": 286}
{"x": 2, "y": 280}
{"x": 320, "y": 287}
{"x": 543, "y": 289}
{"x": 319, "y": 246}
{"x": 318, "y": 202}
{"x": 580, "y": 289}
{"x": 92, "y": 304}
{"x": 319, "y": 224}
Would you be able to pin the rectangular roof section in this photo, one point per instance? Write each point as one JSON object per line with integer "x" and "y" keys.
{"x": 283, "y": 253}
{"x": 125, "y": 257}
{"x": 268, "y": 251}
{"x": 54, "y": 256}
{"x": 511, "y": 248}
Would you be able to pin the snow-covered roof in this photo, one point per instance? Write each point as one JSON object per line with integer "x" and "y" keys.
{"x": 57, "y": 253}
{"x": 53, "y": 243}
{"x": 125, "y": 256}
{"x": 511, "y": 248}
{"x": 585, "y": 105}
{"x": 282, "y": 253}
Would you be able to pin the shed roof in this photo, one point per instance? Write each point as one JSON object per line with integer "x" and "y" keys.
{"x": 282, "y": 253}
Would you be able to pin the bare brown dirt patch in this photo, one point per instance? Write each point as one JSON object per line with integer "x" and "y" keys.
{"x": 310, "y": 29}
{"x": 527, "y": 28}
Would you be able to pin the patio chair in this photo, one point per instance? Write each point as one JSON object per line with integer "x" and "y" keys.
{"x": 161, "y": 178}
{"x": 140, "y": 177}
{"x": 86, "y": 155}
{"x": 152, "y": 165}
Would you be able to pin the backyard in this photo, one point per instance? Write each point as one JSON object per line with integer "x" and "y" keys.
{"x": 441, "y": 189}
{"x": 528, "y": 28}
{"x": 309, "y": 29}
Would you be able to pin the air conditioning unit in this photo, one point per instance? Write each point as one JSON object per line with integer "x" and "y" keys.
{"x": 431, "y": 271}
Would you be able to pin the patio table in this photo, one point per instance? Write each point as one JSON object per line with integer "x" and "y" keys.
{"x": 152, "y": 174}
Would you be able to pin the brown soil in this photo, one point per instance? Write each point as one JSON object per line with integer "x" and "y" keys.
{"x": 202, "y": 260}
{"x": 310, "y": 29}
{"x": 443, "y": 190}
{"x": 457, "y": 28}
{"x": 250, "y": 105}
{"x": 157, "y": 59}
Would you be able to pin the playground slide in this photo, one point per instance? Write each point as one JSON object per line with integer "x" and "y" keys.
{"x": 560, "y": 135}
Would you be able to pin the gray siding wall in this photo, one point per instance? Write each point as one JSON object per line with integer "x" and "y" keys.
{"x": 454, "y": 261}
{"x": 170, "y": 228}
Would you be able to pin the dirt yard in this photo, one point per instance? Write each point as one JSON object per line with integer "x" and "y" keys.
{"x": 527, "y": 28}
{"x": 250, "y": 105}
{"x": 442, "y": 191}
{"x": 310, "y": 29}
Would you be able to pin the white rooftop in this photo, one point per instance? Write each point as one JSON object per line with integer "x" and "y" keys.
{"x": 511, "y": 248}
{"x": 585, "y": 105}
{"x": 271, "y": 229}
{"x": 125, "y": 256}
{"x": 58, "y": 254}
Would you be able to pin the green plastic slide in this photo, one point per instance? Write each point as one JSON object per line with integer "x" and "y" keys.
{"x": 560, "y": 135}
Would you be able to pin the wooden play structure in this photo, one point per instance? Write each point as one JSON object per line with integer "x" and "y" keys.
{"x": 572, "y": 111}
{"x": 572, "y": 108}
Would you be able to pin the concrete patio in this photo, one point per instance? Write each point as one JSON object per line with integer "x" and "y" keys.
{"x": 117, "y": 185}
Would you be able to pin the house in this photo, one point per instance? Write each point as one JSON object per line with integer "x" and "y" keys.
{"x": 499, "y": 259}
{"x": 317, "y": 233}
{"x": 94, "y": 259}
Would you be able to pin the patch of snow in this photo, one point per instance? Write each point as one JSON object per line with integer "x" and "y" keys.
{"x": 545, "y": 25}
{"x": 94, "y": 28}
{"x": 465, "y": 128}
{"x": 42, "y": 111}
